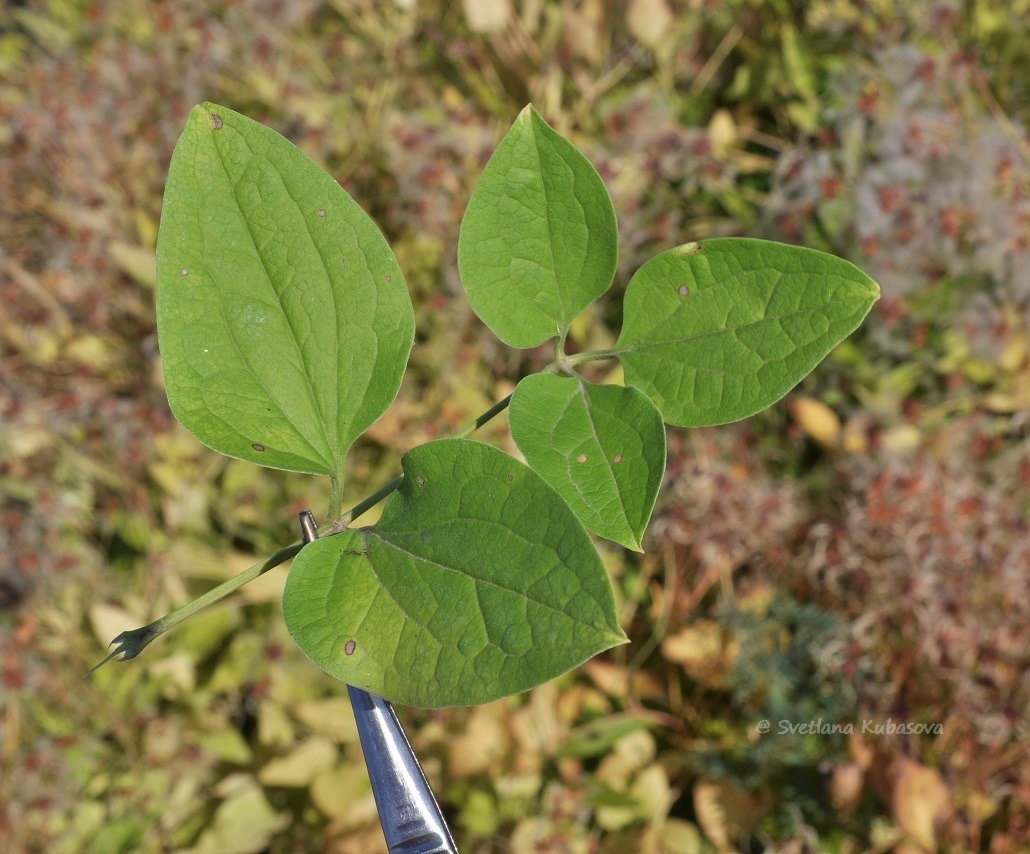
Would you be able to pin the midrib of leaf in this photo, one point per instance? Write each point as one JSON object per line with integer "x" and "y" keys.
{"x": 729, "y": 329}
{"x": 550, "y": 229}
{"x": 336, "y": 328}
{"x": 332, "y": 464}
{"x": 568, "y": 461}
{"x": 608, "y": 465}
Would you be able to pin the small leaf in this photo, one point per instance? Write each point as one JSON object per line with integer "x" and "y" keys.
{"x": 478, "y": 582}
{"x": 283, "y": 318}
{"x": 539, "y": 241}
{"x": 718, "y": 331}
{"x": 602, "y": 448}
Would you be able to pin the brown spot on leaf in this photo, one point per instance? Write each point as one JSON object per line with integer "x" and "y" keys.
{"x": 389, "y": 278}
{"x": 257, "y": 447}
{"x": 349, "y": 647}
{"x": 683, "y": 291}
{"x": 689, "y": 249}
{"x": 184, "y": 272}
{"x": 421, "y": 481}
{"x": 582, "y": 458}
{"x": 618, "y": 458}
{"x": 511, "y": 477}
{"x": 216, "y": 120}
{"x": 321, "y": 211}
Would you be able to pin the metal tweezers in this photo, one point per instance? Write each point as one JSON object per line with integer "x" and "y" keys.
{"x": 410, "y": 816}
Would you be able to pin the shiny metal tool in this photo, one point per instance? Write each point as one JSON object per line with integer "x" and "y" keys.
{"x": 408, "y": 811}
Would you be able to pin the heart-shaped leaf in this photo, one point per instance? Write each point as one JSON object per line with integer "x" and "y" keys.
{"x": 477, "y": 582}
{"x": 717, "y": 331}
{"x": 539, "y": 241}
{"x": 602, "y": 447}
{"x": 283, "y": 318}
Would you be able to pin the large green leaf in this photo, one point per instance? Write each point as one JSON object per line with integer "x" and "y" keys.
{"x": 477, "y": 582}
{"x": 602, "y": 447}
{"x": 717, "y": 331}
{"x": 283, "y": 318}
{"x": 539, "y": 241}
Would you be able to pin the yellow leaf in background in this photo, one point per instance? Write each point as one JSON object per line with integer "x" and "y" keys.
{"x": 722, "y": 132}
{"x": 649, "y": 21}
{"x": 680, "y": 837}
{"x": 90, "y": 351}
{"x": 332, "y": 717}
{"x": 816, "y": 419}
{"x": 854, "y": 438}
{"x": 637, "y": 748}
{"x": 228, "y": 745}
{"x": 243, "y": 824}
{"x": 727, "y": 814}
{"x": 536, "y": 729}
{"x": 652, "y": 793}
{"x": 921, "y": 802}
{"x": 846, "y": 787}
{"x": 274, "y": 725}
{"x": 758, "y": 599}
{"x": 178, "y": 673}
{"x": 344, "y": 795}
{"x": 610, "y": 678}
{"x": 584, "y": 35}
{"x": 703, "y": 650}
{"x": 301, "y": 765}
{"x": 1013, "y": 353}
{"x": 480, "y": 748}
{"x": 24, "y": 442}
{"x": 901, "y": 439}
{"x": 109, "y": 621}
{"x": 487, "y": 16}
{"x": 137, "y": 262}
{"x": 616, "y": 376}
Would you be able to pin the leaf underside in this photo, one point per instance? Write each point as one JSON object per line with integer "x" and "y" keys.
{"x": 283, "y": 318}
{"x": 478, "y": 582}
{"x": 716, "y": 331}
{"x": 602, "y": 448}
{"x": 539, "y": 241}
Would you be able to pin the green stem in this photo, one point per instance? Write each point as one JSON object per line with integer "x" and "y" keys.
{"x": 335, "y": 499}
{"x": 592, "y": 356}
{"x": 132, "y": 643}
{"x": 367, "y": 504}
{"x": 376, "y": 497}
{"x": 472, "y": 426}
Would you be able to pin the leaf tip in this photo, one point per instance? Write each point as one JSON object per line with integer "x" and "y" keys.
{"x": 619, "y": 638}
{"x": 210, "y": 114}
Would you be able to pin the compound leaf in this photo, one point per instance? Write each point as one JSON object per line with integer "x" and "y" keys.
{"x": 716, "y": 331}
{"x": 283, "y": 319}
{"x": 539, "y": 241}
{"x": 602, "y": 448}
{"x": 477, "y": 582}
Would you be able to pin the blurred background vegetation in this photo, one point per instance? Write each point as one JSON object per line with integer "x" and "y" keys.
{"x": 859, "y": 552}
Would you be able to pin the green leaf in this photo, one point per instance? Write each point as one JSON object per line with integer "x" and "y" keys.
{"x": 478, "y": 582}
{"x": 539, "y": 241}
{"x": 283, "y": 318}
{"x": 602, "y": 447}
{"x": 716, "y": 331}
